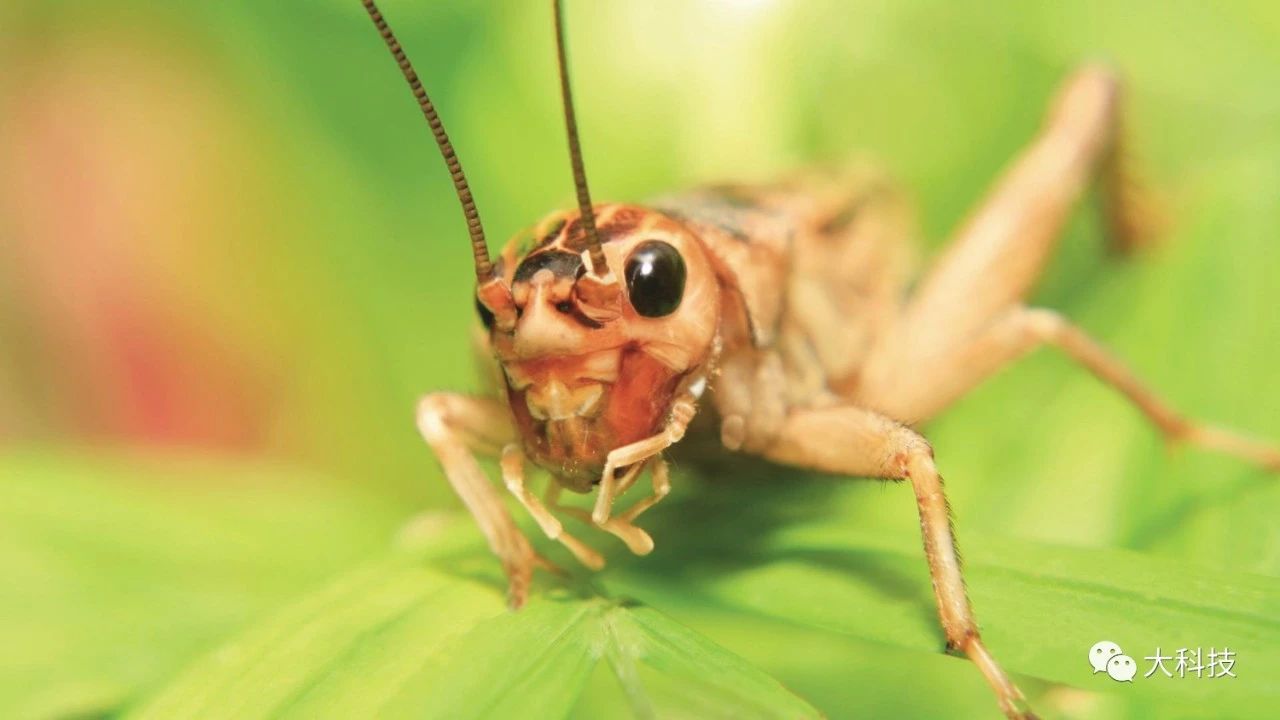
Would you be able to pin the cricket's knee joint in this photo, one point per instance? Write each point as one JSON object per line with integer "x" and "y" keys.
{"x": 958, "y": 640}
{"x": 910, "y": 449}
{"x": 1091, "y": 92}
{"x": 682, "y": 413}
{"x": 433, "y": 415}
{"x": 1098, "y": 75}
{"x": 1178, "y": 430}
{"x": 1044, "y": 325}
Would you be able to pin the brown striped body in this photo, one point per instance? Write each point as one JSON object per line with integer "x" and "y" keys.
{"x": 770, "y": 267}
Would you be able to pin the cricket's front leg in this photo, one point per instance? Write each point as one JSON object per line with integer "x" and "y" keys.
{"x": 513, "y": 476}
{"x": 631, "y": 456}
{"x": 852, "y": 441}
{"x": 635, "y": 457}
{"x": 457, "y": 427}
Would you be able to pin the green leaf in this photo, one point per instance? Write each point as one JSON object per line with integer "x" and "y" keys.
{"x": 669, "y": 671}
{"x": 1040, "y": 607}
{"x": 117, "y": 571}
{"x": 411, "y": 638}
{"x": 403, "y": 640}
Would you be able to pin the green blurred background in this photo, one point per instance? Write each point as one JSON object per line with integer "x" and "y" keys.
{"x": 230, "y": 261}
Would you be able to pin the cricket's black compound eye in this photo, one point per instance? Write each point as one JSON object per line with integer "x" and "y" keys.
{"x": 486, "y": 316}
{"x": 655, "y": 275}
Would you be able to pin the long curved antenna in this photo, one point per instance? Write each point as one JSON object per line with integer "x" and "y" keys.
{"x": 599, "y": 266}
{"x": 479, "y": 248}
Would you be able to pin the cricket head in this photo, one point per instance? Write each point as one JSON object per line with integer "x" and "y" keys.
{"x": 598, "y": 317}
{"x": 590, "y": 363}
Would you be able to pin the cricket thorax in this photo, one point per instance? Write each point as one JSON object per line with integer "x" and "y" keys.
{"x": 584, "y": 378}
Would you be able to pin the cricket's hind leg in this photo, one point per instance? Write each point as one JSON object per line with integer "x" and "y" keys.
{"x": 1019, "y": 331}
{"x": 1002, "y": 248}
{"x": 967, "y": 320}
{"x": 853, "y": 441}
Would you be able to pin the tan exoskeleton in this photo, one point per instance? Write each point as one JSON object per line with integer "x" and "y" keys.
{"x": 787, "y": 303}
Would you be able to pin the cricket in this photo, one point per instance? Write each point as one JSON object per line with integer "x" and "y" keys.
{"x": 782, "y": 312}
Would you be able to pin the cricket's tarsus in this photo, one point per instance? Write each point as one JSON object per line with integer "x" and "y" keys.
{"x": 791, "y": 303}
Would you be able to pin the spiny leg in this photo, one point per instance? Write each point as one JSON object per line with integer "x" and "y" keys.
{"x": 628, "y": 479}
{"x": 456, "y": 427}
{"x": 682, "y": 411}
{"x": 623, "y": 524}
{"x": 638, "y": 541}
{"x": 661, "y": 476}
{"x": 631, "y": 457}
{"x": 512, "y": 464}
{"x": 853, "y": 441}
{"x": 1001, "y": 250}
{"x": 1021, "y": 330}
